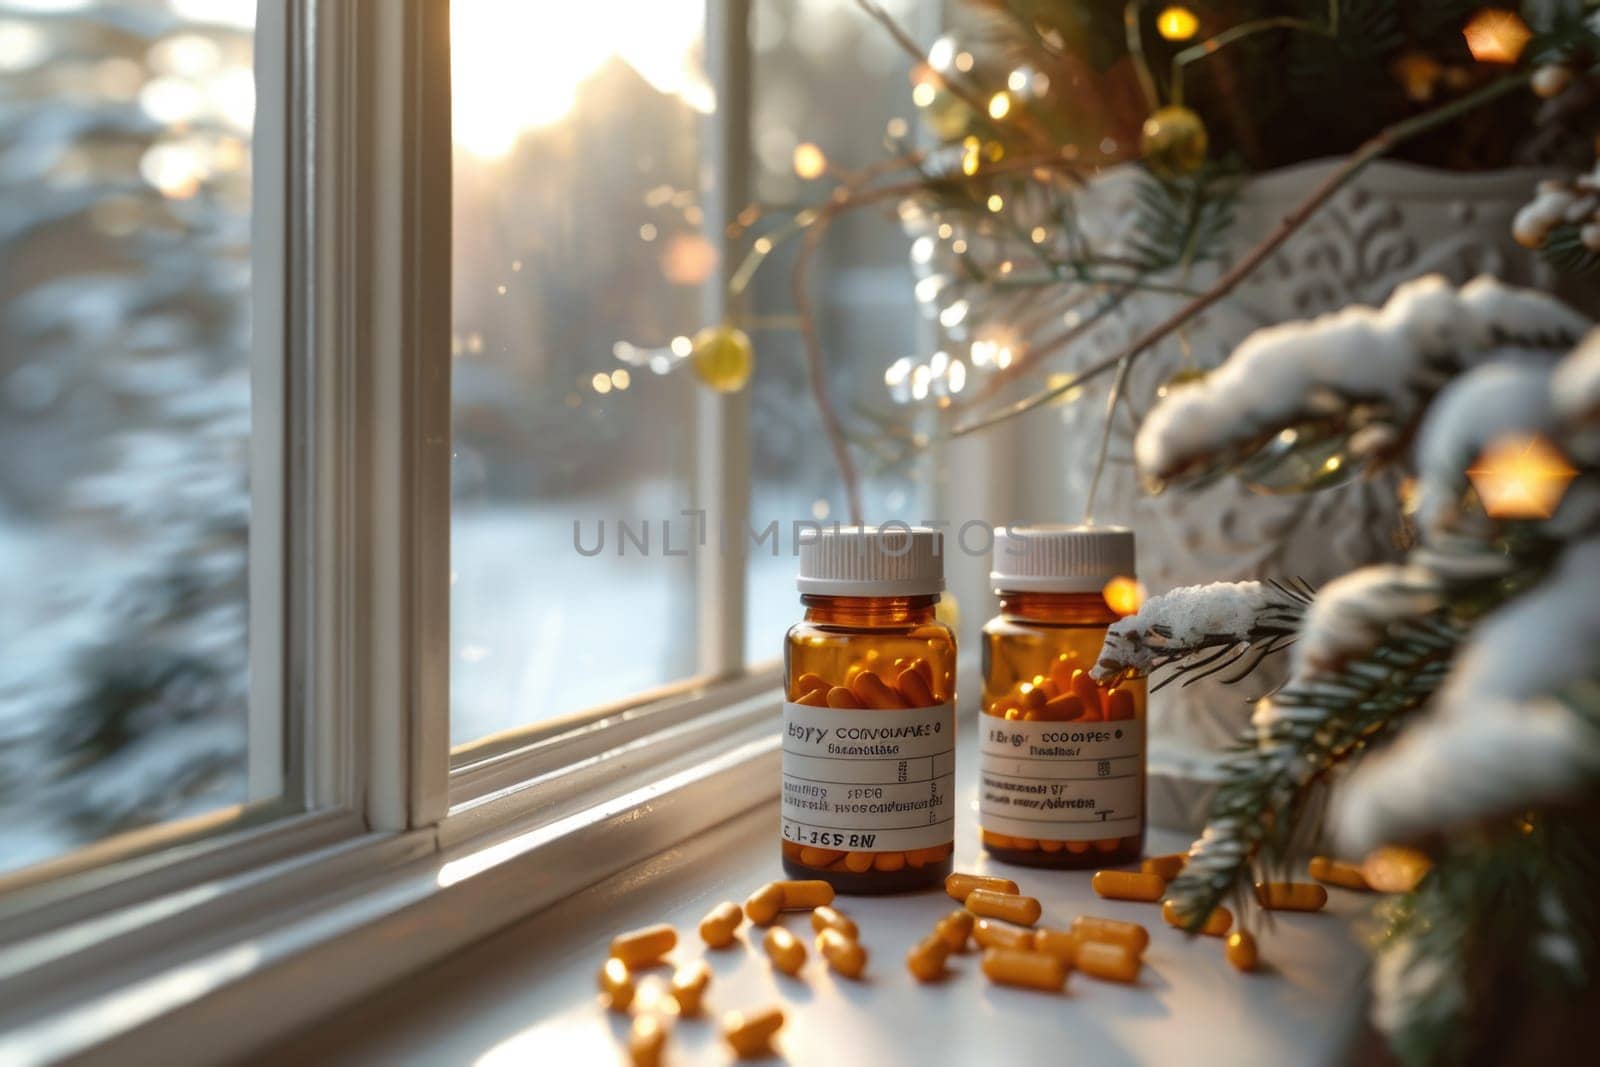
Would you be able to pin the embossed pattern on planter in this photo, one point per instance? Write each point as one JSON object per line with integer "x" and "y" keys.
{"x": 1394, "y": 223}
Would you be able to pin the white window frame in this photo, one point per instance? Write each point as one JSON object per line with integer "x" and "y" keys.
{"x": 154, "y": 941}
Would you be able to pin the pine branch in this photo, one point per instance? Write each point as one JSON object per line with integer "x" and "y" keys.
{"x": 1299, "y": 735}
{"x": 1503, "y": 924}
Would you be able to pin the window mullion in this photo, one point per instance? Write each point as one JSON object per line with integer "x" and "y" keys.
{"x": 722, "y": 443}
{"x": 384, "y": 541}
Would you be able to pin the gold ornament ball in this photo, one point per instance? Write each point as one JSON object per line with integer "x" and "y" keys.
{"x": 1174, "y": 141}
{"x": 722, "y": 357}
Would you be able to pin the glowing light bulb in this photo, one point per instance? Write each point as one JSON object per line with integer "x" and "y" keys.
{"x": 1521, "y": 477}
{"x": 809, "y": 161}
{"x": 1123, "y": 595}
{"x": 1495, "y": 35}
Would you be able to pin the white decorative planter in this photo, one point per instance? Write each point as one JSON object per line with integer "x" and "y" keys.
{"x": 1393, "y": 223}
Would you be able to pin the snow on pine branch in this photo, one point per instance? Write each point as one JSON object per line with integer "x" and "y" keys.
{"x": 1373, "y": 648}
{"x": 1498, "y": 738}
{"x": 1558, "y": 203}
{"x": 1352, "y": 381}
{"x": 1203, "y": 628}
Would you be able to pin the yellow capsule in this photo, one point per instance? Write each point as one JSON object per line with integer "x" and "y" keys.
{"x": 842, "y": 698}
{"x": 1100, "y": 959}
{"x": 1015, "y": 966}
{"x": 689, "y": 986}
{"x": 858, "y": 862}
{"x": 1130, "y": 936}
{"x": 646, "y": 1038}
{"x": 819, "y": 857}
{"x": 644, "y": 946}
{"x": 1334, "y": 872}
{"x": 826, "y": 918}
{"x": 718, "y": 927}
{"x": 750, "y": 1034}
{"x": 873, "y": 692}
{"x": 617, "y": 984}
{"x": 1058, "y": 943}
{"x": 810, "y": 682}
{"x": 785, "y": 950}
{"x": 957, "y": 885}
{"x": 1216, "y": 924}
{"x": 1119, "y": 705}
{"x": 805, "y": 895}
{"x": 914, "y": 688}
{"x": 990, "y": 934}
{"x": 926, "y": 959}
{"x": 1128, "y": 885}
{"x": 1393, "y": 869}
{"x": 844, "y": 954}
{"x": 888, "y": 861}
{"x": 1166, "y": 866}
{"x": 762, "y": 906}
{"x": 1085, "y": 690}
{"x": 1291, "y": 896}
{"x": 1241, "y": 950}
{"x": 1011, "y": 907}
{"x": 955, "y": 928}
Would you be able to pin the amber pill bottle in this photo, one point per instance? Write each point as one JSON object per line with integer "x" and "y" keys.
{"x": 869, "y": 733}
{"x": 1061, "y": 760}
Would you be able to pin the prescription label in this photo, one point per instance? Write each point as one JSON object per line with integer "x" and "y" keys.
{"x": 869, "y": 781}
{"x": 1060, "y": 781}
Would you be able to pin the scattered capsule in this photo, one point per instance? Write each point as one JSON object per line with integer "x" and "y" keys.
{"x": 844, "y": 954}
{"x": 1291, "y": 896}
{"x": 1334, "y": 872}
{"x": 1129, "y": 885}
{"x": 785, "y": 950}
{"x": 1131, "y": 936}
{"x": 1216, "y": 924}
{"x": 1021, "y": 967}
{"x": 1241, "y": 950}
{"x": 644, "y": 946}
{"x": 805, "y": 895}
{"x": 689, "y": 986}
{"x": 1166, "y": 866}
{"x": 1011, "y": 907}
{"x": 955, "y": 928}
{"x": 957, "y": 886}
{"x": 990, "y": 934}
{"x": 826, "y": 918}
{"x": 718, "y": 927}
{"x": 763, "y": 905}
{"x": 750, "y": 1034}
{"x": 1058, "y": 943}
{"x": 646, "y": 1038}
{"x": 1393, "y": 869}
{"x": 616, "y": 982}
{"x": 926, "y": 959}
{"x": 1101, "y": 959}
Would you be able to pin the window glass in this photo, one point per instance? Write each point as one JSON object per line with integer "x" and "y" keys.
{"x": 825, "y": 75}
{"x": 580, "y": 267}
{"x": 125, "y": 147}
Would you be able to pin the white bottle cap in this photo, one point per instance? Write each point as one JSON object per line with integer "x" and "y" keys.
{"x": 891, "y": 560}
{"x": 1060, "y": 559}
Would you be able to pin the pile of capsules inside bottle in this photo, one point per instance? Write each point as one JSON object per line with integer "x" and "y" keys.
{"x": 869, "y": 748}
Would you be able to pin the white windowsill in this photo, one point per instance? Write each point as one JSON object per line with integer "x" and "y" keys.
{"x": 527, "y": 994}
